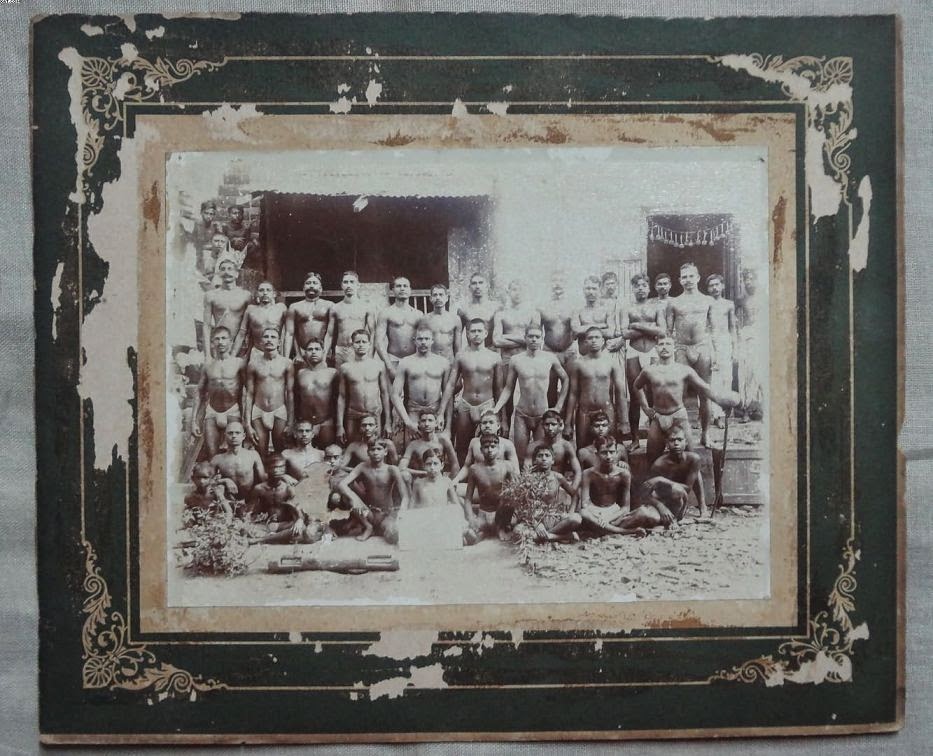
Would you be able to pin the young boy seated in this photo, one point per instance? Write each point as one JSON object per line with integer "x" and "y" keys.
{"x": 488, "y": 425}
{"x": 604, "y": 498}
{"x": 434, "y": 489}
{"x": 212, "y": 493}
{"x": 428, "y": 438}
{"x": 543, "y": 468}
{"x": 374, "y": 510}
{"x": 275, "y": 518}
{"x": 599, "y": 428}
{"x": 486, "y": 478}
{"x": 340, "y": 525}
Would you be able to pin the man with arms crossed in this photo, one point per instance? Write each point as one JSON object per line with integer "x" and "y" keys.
{"x": 348, "y": 316}
{"x": 475, "y": 366}
{"x": 308, "y": 319}
{"x": 669, "y": 381}
{"x": 270, "y": 394}
{"x": 593, "y": 313}
{"x": 419, "y": 382}
{"x": 531, "y": 370}
{"x": 317, "y": 392}
{"x": 219, "y": 392}
{"x": 363, "y": 390}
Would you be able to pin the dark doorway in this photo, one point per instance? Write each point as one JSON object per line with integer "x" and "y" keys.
{"x": 709, "y": 241}
{"x": 377, "y": 236}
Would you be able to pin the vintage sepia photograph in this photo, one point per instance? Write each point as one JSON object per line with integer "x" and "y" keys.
{"x": 467, "y": 376}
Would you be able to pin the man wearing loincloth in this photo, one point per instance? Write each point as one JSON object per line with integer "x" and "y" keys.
{"x": 219, "y": 391}
{"x": 690, "y": 321}
{"x": 265, "y": 313}
{"x": 308, "y": 319}
{"x": 531, "y": 371}
{"x": 317, "y": 392}
{"x": 475, "y": 368}
{"x": 419, "y": 382}
{"x": 722, "y": 313}
{"x": 642, "y": 324}
{"x": 225, "y": 306}
{"x": 348, "y": 316}
{"x": 556, "y": 319}
{"x": 508, "y": 333}
{"x": 270, "y": 394}
{"x": 375, "y": 509}
{"x": 596, "y": 386}
{"x": 669, "y": 381}
{"x": 362, "y": 390}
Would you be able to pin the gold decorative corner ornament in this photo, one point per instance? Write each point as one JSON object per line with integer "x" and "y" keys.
{"x": 108, "y": 83}
{"x": 826, "y": 654}
{"x": 113, "y": 662}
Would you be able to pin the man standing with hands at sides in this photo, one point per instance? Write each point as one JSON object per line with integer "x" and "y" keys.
{"x": 346, "y": 317}
{"x": 308, "y": 319}
{"x": 419, "y": 382}
{"x": 480, "y": 305}
{"x": 445, "y": 326}
{"x": 270, "y": 394}
{"x": 475, "y": 366}
{"x": 508, "y": 334}
{"x": 217, "y": 402}
{"x": 558, "y": 333}
{"x": 668, "y": 381}
{"x": 642, "y": 324}
{"x": 690, "y": 322}
{"x": 267, "y": 313}
{"x": 532, "y": 371}
{"x": 593, "y": 313}
{"x": 317, "y": 392}
{"x": 363, "y": 391}
{"x": 752, "y": 321}
{"x": 225, "y": 306}
{"x": 395, "y": 327}
{"x": 596, "y": 386}
{"x": 722, "y": 314}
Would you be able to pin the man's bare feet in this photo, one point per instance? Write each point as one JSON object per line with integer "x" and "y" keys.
{"x": 704, "y": 439}
{"x": 503, "y": 534}
{"x": 636, "y": 444}
{"x": 541, "y": 534}
{"x": 367, "y": 532}
{"x": 720, "y": 421}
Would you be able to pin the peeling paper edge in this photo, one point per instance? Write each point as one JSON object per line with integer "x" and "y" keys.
{"x": 858, "y": 247}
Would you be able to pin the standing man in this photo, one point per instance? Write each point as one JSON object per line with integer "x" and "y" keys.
{"x": 270, "y": 391}
{"x": 690, "y": 321}
{"x": 532, "y": 371}
{"x": 395, "y": 327}
{"x": 348, "y": 316}
{"x": 419, "y": 382}
{"x": 217, "y": 402}
{"x": 642, "y": 324}
{"x": 722, "y": 314}
{"x": 662, "y": 287}
{"x": 308, "y": 319}
{"x": 593, "y": 313}
{"x": 479, "y": 306}
{"x": 266, "y": 313}
{"x": 558, "y": 333}
{"x": 752, "y": 321}
{"x": 363, "y": 390}
{"x": 445, "y": 326}
{"x": 317, "y": 392}
{"x": 669, "y": 381}
{"x": 475, "y": 366}
{"x": 227, "y": 305}
{"x": 508, "y": 333}
{"x": 597, "y": 386}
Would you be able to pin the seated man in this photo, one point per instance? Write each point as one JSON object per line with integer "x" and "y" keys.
{"x": 428, "y": 438}
{"x": 543, "y": 468}
{"x": 358, "y": 451}
{"x": 212, "y": 493}
{"x": 243, "y": 466}
{"x": 604, "y": 499}
{"x": 488, "y": 425}
{"x": 599, "y": 428}
{"x": 276, "y": 519}
{"x": 563, "y": 451}
{"x": 433, "y": 489}
{"x": 300, "y": 457}
{"x": 374, "y": 510}
{"x": 486, "y": 477}
{"x": 673, "y": 475}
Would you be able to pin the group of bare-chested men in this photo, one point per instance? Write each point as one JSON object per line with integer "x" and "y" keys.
{"x": 473, "y": 396}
